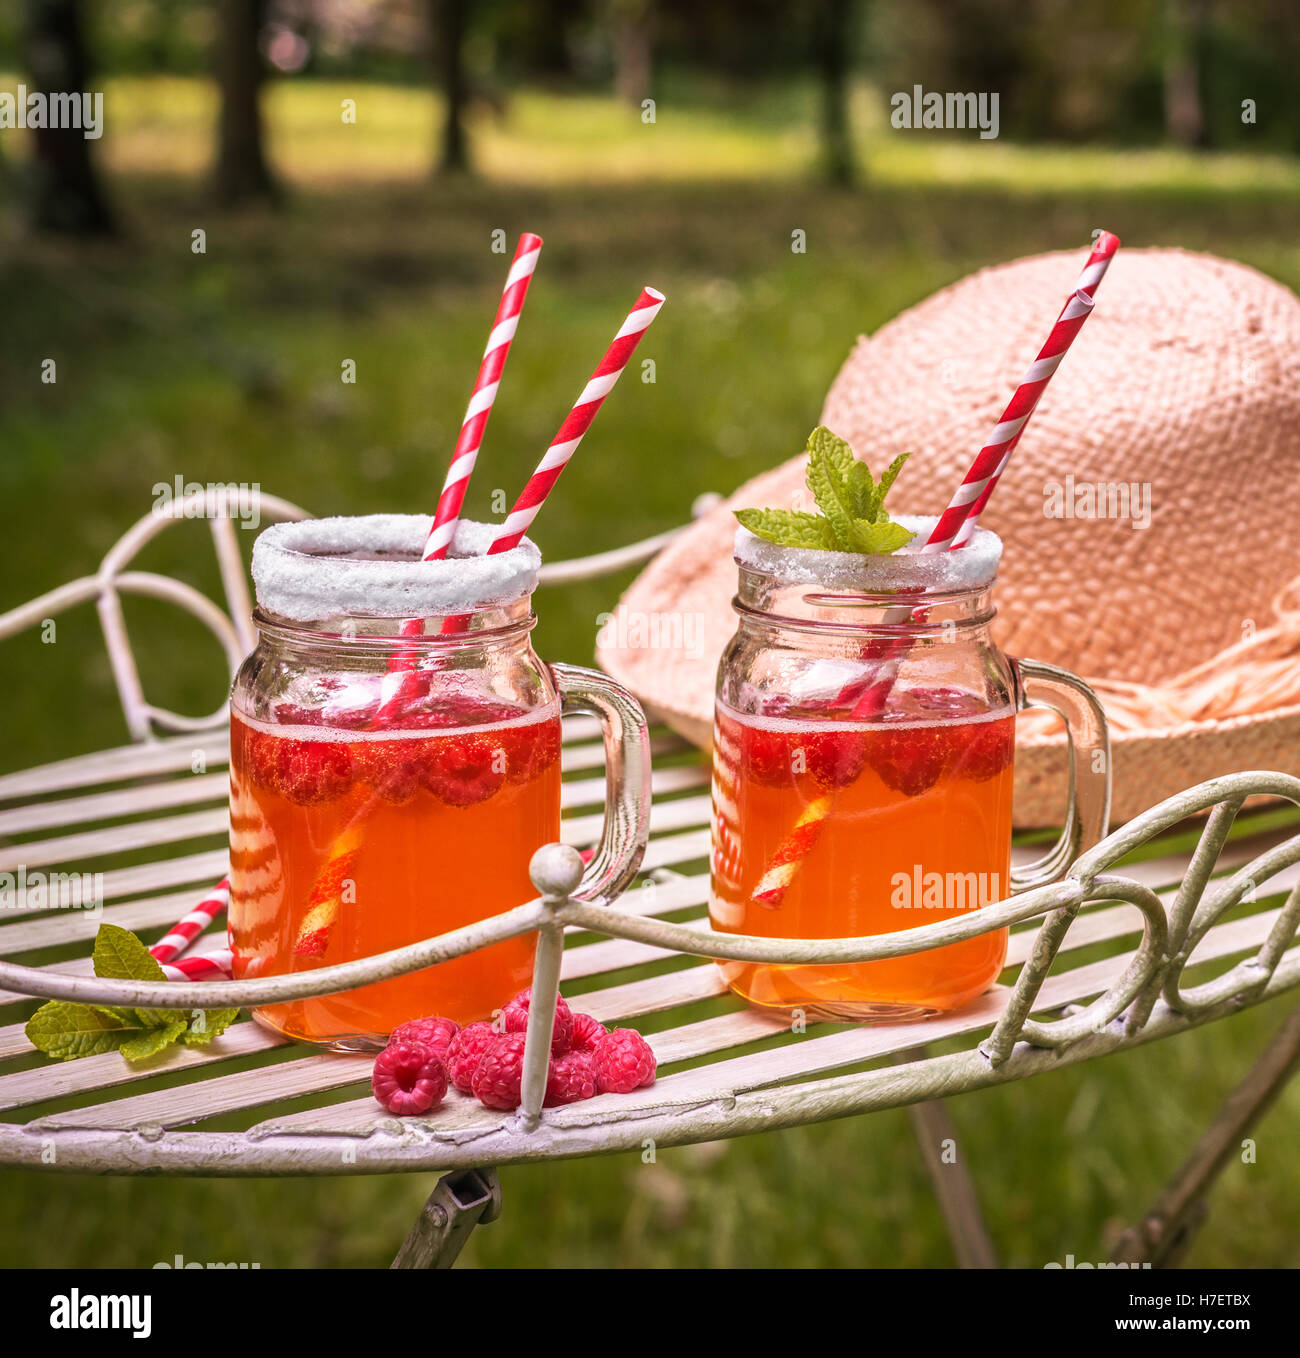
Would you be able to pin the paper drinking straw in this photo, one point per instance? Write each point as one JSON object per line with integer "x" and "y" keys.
{"x": 975, "y": 489}
{"x": 188, "y": 928}
{"x": 446, "y": 514}
{"x": 481, "y": 399}
{"x": 206, "y": 966}
{"x": 313, "y": 933}
{"x": 578, "y": 421}
{"x": 1103, "y": 251}
{"x": 991, "y": 458}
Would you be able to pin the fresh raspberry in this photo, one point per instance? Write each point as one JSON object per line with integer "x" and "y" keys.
{"x": 910, "y": 759}
{"x": 586, "y": 1033}
{"x": 465, "y": 769}
{"x": 395, "y": 768}
{"x": 766, "y": 757}
{"x": 500, "y": 1073}
{"x": 571, "y": 1078}
{"x": 986, "y": 748}
{"x": 514, "y": 1019}
{"x": 465, "y": 1051}
{"x": 293, "y": 714}
{"x": 530, "y": 749}
{"x": 261, "y": 758}
{"x": 314, "y": 771}
{"x": 623, "y": 1062}
{"x": 408, "y": 1079}
{"x": 835, "y": 758}
{"x": 434, "y": 1033}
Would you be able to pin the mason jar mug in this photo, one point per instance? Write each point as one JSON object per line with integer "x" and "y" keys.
{"x": 395, "y": 763}
{"x": 863, "y": 752}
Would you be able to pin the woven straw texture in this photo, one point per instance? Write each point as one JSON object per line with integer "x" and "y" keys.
{"x": 1185, "y": 384}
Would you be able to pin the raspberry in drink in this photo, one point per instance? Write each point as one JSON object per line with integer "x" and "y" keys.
{"x": 395, "y": 765}
{"x": 909, "y": 822}
{"x": 864, "y": 736}
{"x": 299, "y": 795}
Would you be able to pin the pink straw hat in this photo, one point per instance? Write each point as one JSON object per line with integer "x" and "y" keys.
{"x": 1150, "y": 519}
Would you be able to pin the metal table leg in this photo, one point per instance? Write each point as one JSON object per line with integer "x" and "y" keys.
{"x": 1165, "y": 1231}
{"x": 459, "y": 1202}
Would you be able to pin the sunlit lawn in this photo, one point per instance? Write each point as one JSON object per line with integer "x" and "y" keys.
{"x": 225, "y": 366}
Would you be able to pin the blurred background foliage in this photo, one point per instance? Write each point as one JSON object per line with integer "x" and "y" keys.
{"x": 372, "y": 241}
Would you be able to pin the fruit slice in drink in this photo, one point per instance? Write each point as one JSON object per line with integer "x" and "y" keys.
{"x": 441, "y": 825}
{"x": 909, "y": 822}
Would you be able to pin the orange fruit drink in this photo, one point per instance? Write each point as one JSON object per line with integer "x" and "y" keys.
{"x": 835, "y": 829}
{"x": 347, "y": 843}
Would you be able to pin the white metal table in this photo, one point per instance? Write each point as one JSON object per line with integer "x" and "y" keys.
{"x": 1178, "y": 918}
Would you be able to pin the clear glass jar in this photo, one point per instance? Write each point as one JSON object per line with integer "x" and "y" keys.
{"x": 391, "y": 780}
{"x": 863, "y": 754}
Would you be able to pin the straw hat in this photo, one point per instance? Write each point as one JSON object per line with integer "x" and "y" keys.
{"x": 1178, "y": 596}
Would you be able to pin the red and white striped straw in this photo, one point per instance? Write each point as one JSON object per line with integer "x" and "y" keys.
{"x": 465, "y": 454}
{"x": 578, "y": 421}
{"x": 314, "y": 931}
{"x": 992, "y": 457}
{"x": 970, "y": 498}
{"x": 207, "y": 966}
{"x": 1103, "y": 251}
{"x": 187, "y": 929}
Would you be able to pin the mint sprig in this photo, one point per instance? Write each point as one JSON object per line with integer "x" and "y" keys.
{"x": 67, "y": 1031}
{"x": 853, "y": 517}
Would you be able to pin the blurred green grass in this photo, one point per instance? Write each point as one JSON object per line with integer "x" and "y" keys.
{"x": 225, "y": 366}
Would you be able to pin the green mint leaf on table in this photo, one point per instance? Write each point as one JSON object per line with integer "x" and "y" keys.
{"x": 120, "y": 956}
{"x": 853, "y": 517}
{"x": 207, "y": 1024}
{"x": 788, "y": 527}
{"x": 67, "y": 1031}
{"x": 151, "y": 1041}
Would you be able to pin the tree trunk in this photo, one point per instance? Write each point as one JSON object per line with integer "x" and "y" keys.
{"x": 66, "y": 193}
{"x": 449, "y": 22}
{"x": 833, "y": 41}
{"x": 1184, "y": 122}
{"x": 632, "y": 50}
{"x": 242, "y": 174}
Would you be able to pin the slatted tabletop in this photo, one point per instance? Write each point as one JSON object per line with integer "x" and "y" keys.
{"x": 252, "y": 1103}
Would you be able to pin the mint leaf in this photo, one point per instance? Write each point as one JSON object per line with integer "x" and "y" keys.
{"x": 879, "y": 539}
{"x": 853, "y": 516}
{"x": 120, "y": 956}
{"x": 66, "y": 1031}
{"x": 828, "y": 490}
{"x": 887, "y": 479}
{"x": 834, "y": 449}
{"x": 862, "y": 492}
{"x": 207, "y": 1024}
{"x": 152, "y": 1040}
{"x": 788, "y": 527}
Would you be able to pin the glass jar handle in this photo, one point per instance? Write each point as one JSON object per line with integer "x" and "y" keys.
{"x": 1088, "y": 749}
{"x": 627, "y": 778}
